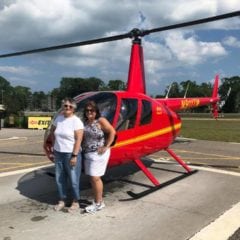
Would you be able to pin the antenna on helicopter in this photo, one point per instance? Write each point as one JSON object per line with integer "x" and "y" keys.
{"x": 169, "y": 88}
{"x": 185, "y": 94}
{"x": 221, "y": 104}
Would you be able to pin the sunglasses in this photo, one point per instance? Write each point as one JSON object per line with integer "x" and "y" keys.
{"x": 89, "y": 110}
{"x": 68, "y": 106}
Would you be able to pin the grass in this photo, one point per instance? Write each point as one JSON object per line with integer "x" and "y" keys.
{"x": 226, "y": 130}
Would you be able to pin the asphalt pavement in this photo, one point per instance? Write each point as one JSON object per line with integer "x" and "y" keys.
{"x": 202, "y": 205}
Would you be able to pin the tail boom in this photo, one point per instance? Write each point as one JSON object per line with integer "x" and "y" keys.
{"x": 178, "y": 104}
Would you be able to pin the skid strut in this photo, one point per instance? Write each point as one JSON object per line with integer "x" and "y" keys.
{"x": 178, "y": 159}
{"x": 147, "y": 172}
{"x": 151, "y": 177}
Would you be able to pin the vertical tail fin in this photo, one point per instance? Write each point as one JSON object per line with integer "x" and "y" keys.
{"x": 214, "y": 96}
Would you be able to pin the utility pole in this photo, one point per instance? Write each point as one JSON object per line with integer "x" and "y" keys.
{"x": 2, "y": 96}
{"x": 2, "y": 109}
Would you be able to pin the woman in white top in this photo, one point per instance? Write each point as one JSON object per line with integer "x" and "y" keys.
{"x": 67, "y": 133}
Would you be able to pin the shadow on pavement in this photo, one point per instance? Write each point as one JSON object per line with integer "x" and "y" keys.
{"x": 40, "y": 185}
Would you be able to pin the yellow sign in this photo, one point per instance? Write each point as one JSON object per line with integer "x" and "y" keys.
{"x": 38, "y": 122}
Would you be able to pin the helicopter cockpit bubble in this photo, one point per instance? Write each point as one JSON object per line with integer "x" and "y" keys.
{"x": 106, "y": 101}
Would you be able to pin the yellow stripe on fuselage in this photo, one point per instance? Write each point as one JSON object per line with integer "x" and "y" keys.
{"x": 148, "y": 136}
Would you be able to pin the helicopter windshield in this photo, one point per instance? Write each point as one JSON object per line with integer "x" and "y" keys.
{"x": 106, "y": 101}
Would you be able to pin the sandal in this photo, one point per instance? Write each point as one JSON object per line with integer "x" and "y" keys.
{"x": 59, "y": 206}
{"x": 74, "y": 207}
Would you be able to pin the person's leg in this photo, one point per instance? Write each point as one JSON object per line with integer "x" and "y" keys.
{"x": 61, "y": 180}
{"x": 74, "y": 173}
{"x": 97, "y": 186}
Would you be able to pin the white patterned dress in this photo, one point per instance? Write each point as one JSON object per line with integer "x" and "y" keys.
{"x": 95, "y": 164}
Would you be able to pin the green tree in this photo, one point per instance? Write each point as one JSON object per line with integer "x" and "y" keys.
{"x": 15, "y": 99}
{"x": 71, "y": 87}
{"x": 39, "y": 101}
{"x": 116, "y": 85}
{"x": 21, "y": 96}
{"x": 232, "y": 104}
{"x": 5, "y": 87}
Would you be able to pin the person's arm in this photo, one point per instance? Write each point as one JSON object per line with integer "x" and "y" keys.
{"x": 110, "y": 132}
{"x": 49, "y": 142}
{"x": 78, "y": 135}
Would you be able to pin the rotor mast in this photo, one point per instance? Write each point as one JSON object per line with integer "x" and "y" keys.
{"x": 136, "y": 74}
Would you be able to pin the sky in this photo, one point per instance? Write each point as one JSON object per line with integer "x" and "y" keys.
{"x": 194, "y": 53}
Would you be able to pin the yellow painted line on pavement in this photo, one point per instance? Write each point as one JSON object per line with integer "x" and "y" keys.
{"x": 215, "y": 156}
{"x": 207, "y": 154}
{"x": 13, "y": 138}
{"x": 199, "y": 158}
{"x": 21, "y": 165}
{"x": 26, "y": 170}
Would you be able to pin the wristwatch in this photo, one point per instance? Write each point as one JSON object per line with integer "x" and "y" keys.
{"x": 74, "y": 155}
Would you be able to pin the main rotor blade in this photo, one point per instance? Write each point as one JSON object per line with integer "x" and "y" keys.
{"x": 195, "y": 22}
{"x": 69, "y": 45}
{"x": 134, "y": 33}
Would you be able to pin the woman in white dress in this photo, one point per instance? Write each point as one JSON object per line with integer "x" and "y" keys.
{"x": 96, "y": 149}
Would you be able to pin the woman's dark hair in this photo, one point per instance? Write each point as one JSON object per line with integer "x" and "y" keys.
{"x": 94, "y": 106}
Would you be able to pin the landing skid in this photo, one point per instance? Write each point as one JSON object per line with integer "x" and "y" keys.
{"x": 153, "y": 179}
{"x": 135, "y": 196}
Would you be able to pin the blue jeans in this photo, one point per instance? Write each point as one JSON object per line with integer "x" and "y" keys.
{"x": 64, "y": 172}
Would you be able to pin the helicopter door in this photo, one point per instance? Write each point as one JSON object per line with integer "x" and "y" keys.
{"x": 128, "y": 114}
{"x": 146, "y": 113}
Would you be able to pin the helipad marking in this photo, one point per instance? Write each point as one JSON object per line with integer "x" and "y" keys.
{"x": 209, "y": 169}
{"x": 207, "y": 154}
{"x": 13, "y": 138}
{"x": 24, "y": 170}
{"x": 222, "y": 228}
{"x": 216, "y": 170}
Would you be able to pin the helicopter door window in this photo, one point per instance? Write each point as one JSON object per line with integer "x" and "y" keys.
{"x": 128, "y": 114}
{"x": 146, "y": 113}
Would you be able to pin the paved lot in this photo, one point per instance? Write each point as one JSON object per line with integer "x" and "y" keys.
{"x": 182, "y": 208}
{"x": 20, "y": 149}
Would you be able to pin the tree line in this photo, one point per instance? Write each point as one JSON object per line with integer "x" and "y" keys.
{"x": 20, "y": 98}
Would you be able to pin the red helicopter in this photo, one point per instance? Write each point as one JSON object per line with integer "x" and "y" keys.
{"x": 144, "y": 125}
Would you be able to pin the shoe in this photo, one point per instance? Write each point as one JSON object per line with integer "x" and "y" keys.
{"x": 74, "y": 207}
{"x": 59, "y": 206}
{"x": 94, "y": 207}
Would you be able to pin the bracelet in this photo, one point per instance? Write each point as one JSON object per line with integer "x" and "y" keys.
{"x": 74, "y": 155}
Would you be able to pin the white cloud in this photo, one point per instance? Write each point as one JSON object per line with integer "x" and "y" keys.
{"x": 23, "y": 82}
{"x": 192, "y": 9}
{"x": 188, "y": 50}
{"x": 29, "y": 24}
{"x": 232, "y": 42}
{"x": 22, "y": 70}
